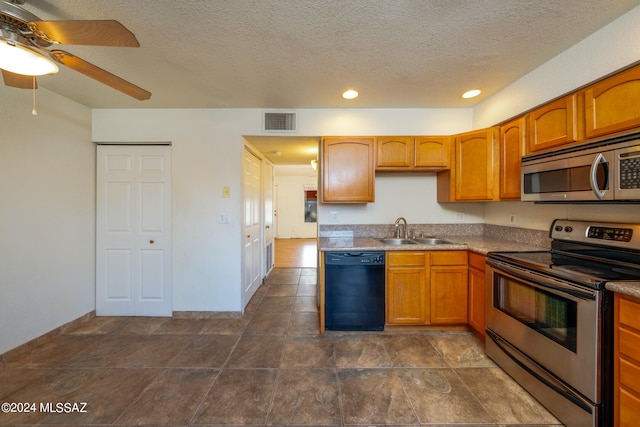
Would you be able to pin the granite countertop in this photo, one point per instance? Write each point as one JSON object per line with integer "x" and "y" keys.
{"x": 479, "y": 244}
{"x": 501, "y": 241}
{"x": 631, "y": 289}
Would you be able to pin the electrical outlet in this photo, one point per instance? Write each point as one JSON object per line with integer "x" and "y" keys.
{"x": 333, "y": 216}
{"x": 224, "y": 218}
{"x": 512, "y": 218}
{"x": 459, "y": 217}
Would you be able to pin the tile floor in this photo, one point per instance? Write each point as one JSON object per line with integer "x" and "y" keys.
{"x": 268, "y": 368}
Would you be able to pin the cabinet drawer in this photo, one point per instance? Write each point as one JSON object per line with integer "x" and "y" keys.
{"x": 629, "y": 313}
{"x": 629, "y": 343}
{"x": 477, "y": 261}
{"x": 449, "y": 258}
{"x": 630, "y": 375}
{"x": 629, "y": 411}
{"x": 405, "y": 258}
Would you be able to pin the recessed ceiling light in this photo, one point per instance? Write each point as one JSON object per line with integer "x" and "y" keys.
{"x": 471, "y": 93}
{"x": 350, "y": 94}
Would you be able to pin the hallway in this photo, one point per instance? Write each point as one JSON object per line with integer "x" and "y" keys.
{"x": 296, "y": 253}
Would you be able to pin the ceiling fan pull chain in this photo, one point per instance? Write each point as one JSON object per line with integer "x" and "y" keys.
{"x": 34, "y": 111}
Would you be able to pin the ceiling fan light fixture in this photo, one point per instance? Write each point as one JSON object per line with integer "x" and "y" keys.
{"x": 19, "y": 59}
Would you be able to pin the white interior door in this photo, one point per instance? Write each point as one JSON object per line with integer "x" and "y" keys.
{"x": 251, "y": 227}
{"x": 133, "y": 231}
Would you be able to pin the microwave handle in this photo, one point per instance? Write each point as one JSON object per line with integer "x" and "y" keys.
{"x": 594, "y": 171}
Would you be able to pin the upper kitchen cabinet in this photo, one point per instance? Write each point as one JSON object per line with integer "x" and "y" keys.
{"x": 511, "y": 146}
{"x": 395, "y": 152}
{"x": 613, "y": 104}
{"x": 406, "y": 153}
{"x": 474, "y": 173}
{"x": 433, "y": 153}
{"x": 348, "y": 170}
{"x": 553, "y": 125}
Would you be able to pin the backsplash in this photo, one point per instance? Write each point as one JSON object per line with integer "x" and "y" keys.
{"x": 520, "y": 235}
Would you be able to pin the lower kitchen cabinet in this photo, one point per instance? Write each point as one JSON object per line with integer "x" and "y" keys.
{"x": 449, "y": 290}
{"x": 477, "y": 295}
{"x": 426, "y": 288}
{"x": 407, "y": 288}
{"x": 626, "y": 361}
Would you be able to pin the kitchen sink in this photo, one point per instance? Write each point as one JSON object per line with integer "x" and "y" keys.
{"x": 392, "y": 241}
{"x": 433, "y": 241}
{"x": 414, "y": 241}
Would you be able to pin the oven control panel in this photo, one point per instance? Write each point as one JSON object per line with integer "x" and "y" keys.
{"x": 610, "y": 233}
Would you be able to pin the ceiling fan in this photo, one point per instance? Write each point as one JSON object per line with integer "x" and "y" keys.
{"x": 28, "y": 36}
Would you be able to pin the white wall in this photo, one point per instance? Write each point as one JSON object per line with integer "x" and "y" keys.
{"x": 207, "y": 147}
{"x": 615, "y": 46}
{"x": 410, "y": 196}
{"x": 47, "y": 214}
{"x": 207, "y": 154}
{"x": 291, "y": 181}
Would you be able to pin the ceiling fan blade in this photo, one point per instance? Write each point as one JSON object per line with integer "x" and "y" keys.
{"x": 97, "y": 73}
{"x": 19, "y": 80}
{"x": 91, "y": 33}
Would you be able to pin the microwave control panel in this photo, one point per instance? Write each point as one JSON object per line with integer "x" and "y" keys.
{"x": 629, "y": 172}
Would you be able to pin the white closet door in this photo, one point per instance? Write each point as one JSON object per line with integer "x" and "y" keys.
{"x": 133, "y": 231}
{"x": 252, "y": 277}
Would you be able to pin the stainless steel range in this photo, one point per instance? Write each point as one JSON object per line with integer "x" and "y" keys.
{"x": 549, "y": 316}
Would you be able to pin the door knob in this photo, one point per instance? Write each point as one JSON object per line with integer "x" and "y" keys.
{"x": 151, "y": 241}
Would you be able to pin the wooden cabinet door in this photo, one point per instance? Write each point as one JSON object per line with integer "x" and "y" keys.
{"x": 395, "y": 152}
{"x": 407, "y": 288}
{"x": 626, "y": 371}
{"x": 613, "y": 104}
{"x": 348, "y": 170}
{"x": 477, "y": 292}
{"x": 511, "y": 148}
{"x": 449, "y": 295}
{"x": 553, "y": 125}
{"x": 476, "y": 166}
{"x": 432, "y": 152}
{"x": 449, "y": 288}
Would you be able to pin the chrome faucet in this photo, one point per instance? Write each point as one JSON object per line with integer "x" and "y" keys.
{"x": 406, "y": 230}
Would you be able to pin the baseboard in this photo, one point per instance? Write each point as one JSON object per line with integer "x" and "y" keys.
{"x": 38, "y": 341}
{"x": 207, "y": 314}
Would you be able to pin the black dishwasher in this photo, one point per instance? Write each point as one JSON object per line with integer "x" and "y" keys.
{"x": 354, "y": 291}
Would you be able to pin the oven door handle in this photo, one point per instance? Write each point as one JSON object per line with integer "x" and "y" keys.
{"x": 539, "y": 372}
{"x": 542, "y": 281}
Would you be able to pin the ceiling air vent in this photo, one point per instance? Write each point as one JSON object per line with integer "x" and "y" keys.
{"x": 280, "y": 121}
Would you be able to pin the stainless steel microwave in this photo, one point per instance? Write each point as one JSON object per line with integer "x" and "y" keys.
{"x": 598, "y": 171}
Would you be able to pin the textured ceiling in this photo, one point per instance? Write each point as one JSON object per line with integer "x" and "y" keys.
{"x": 303, "y": 53}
